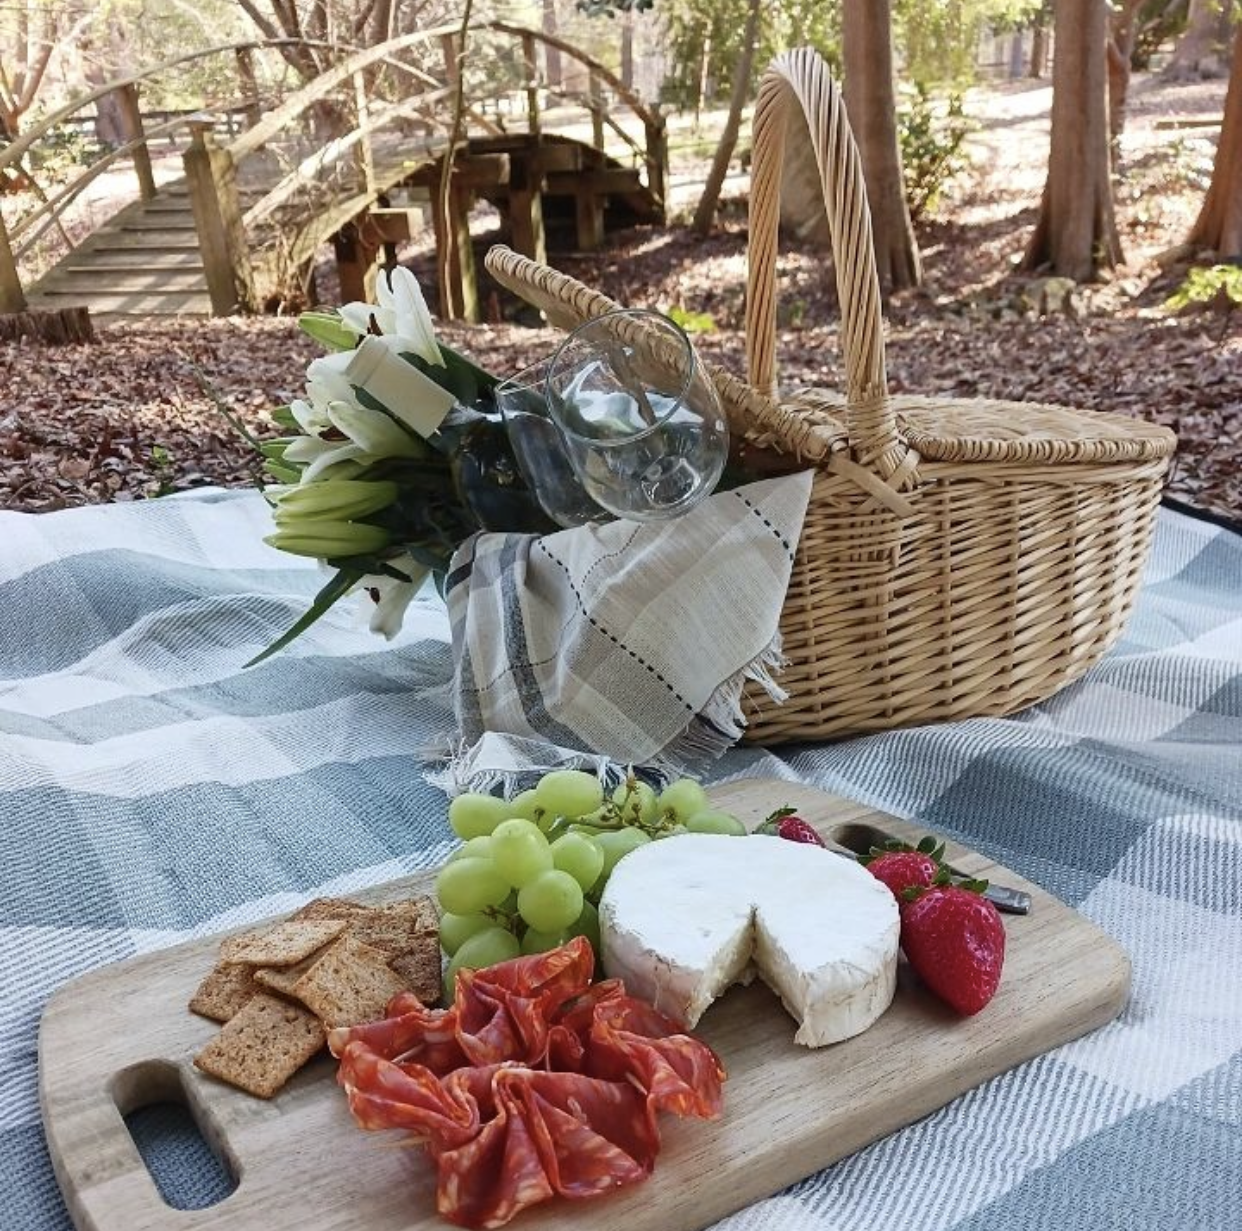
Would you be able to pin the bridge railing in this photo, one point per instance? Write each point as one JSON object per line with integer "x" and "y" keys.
{"x": 242, "y": 104}
{"x": 242, "y": 270}
{"x": 333, "y": 179}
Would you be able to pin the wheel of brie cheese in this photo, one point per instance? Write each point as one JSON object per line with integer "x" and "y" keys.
{"x": 683, "y": 919}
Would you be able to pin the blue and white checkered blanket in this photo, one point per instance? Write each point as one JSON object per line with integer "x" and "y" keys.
{"x": 151, "y": 791}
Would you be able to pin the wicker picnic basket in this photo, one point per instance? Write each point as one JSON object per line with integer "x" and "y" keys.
{"x": 959, "y": 557}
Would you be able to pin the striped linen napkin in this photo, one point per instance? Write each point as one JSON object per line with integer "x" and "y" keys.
{"x": 625, "y": 640}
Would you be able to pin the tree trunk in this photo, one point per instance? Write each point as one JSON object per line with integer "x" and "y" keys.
{"x": 1122, "y": 30}
{"x": 1198, "y": 51}
{"x": 627, "y": 49}
{"x": 1076, "y": 235}
{"x": 1219, "y": 225}
{"x": 1039, "y": 49}
{"x": 551, "y": 55}
{"x": 870, "y": 102}
{"x": 705, "y": 214}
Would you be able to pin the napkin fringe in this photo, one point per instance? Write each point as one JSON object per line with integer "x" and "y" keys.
{"x": 512, "y": 763}
{"x": 721, "y": 723}
{"x": 478, "y": 767}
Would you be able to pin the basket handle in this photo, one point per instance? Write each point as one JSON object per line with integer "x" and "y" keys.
{"x": 802, "y": 78}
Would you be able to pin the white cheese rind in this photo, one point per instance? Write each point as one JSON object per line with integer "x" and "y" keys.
{"x": 684, "y": 918}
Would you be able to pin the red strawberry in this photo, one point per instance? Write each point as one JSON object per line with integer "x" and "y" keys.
{"x": 955, "y": 941}
{"x": 901, "y": 866}
{"x": 783, "y": 823}
{"x": 902, "y": 870}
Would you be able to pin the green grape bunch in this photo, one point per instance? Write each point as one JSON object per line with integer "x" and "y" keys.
{"x": 530, "y": 871}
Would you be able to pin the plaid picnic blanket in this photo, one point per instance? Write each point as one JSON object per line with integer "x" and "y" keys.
{"x": 151, "y": 791}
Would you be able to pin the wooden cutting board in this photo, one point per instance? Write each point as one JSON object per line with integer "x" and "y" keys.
{"x": 121, "y": 1038}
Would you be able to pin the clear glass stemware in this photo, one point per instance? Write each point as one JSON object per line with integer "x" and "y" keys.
{"x": 641, "y": 421}
{"x": 539, "y": 449}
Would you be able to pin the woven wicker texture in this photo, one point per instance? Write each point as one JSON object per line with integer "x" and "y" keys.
{"x": 960, "y": 557}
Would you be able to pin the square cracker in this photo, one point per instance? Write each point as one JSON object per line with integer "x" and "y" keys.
{"x": 331, "y": 908}
{"x": 349, "y": 984}
{"x": 398, "y": 927}
{"x": 224, "y": 992}
{"x": 260, "y": 1048}
{"x": 283, "y": 978}
{"x": 284, "y": 945}
{"x": 420, "y": 969}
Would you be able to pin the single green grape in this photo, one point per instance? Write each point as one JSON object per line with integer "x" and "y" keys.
{"x": 712, "y": 821}
{"x": 579, "y": 855}
{"x": 526, "y": 805}
{"x": 466, "y": 886}
{"x": 479, "y": 951}
{"x": 569, "y": 792}
{"x": 682, "y": 799}
{"x": 520, "y": 852}
{"x": 476, "y": 848}
{"x": 535, "y": 941}
{"x": 637, "y": 802}
{"x": 456, "y": 929}
{"x": 617, "y": 844}
{"x": 474, "y": 816}
{"x": 550, "y": 902}
{"x": 587, "y": 924}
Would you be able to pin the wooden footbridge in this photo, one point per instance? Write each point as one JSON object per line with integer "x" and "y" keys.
{"x": 356, "y": 158}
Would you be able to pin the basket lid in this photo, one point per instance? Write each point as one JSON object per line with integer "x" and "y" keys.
{"x": 984, "y": 430}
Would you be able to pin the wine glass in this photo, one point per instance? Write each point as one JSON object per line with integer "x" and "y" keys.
{"x": 641, "y": 419}
{"x": 540, "y": 451}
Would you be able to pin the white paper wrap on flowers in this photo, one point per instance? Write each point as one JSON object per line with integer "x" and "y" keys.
{"x": 631, "y": 640}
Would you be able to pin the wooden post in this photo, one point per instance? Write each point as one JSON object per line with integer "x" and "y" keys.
{"x": 527, "y": 234}
{"x": 249, "y": 85}
{"x": 12, "y": 297}
{"x": 657, "y": 159}
{"x": 212, "y": 179}
{"x": 357, "y": 261}
{"x": 131, "y": 114}
{"x": 532, "y": 84}
{"x": 597, "y": 113}
{"x": 588, "y": 218}
{"x": 365, "y": 154}
{"x": 459, "y": 300}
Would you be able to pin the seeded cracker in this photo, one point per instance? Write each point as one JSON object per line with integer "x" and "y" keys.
{"x": 284, "y": 945}
{"x": 262, "y": 1046}
{"x": 224, "y": 992}
{"x": 420, "y": 969}
{"x": 331, "y": 908}
{"x": 399, "y": 926}
{"x": 282, "y": 979}
{"x": 351, "y": 983}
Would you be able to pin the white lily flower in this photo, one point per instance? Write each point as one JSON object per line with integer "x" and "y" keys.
{"x": 317, "y": 455}
{"x": 391, "y": 598}
{"x": 326, "y": 377}
{"x": 401, "y": 314}
{"x": 375, "y": 432}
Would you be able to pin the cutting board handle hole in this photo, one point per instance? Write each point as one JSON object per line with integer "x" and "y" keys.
{"x": 858, "y": 838}
{"x": 187, "y": 1169}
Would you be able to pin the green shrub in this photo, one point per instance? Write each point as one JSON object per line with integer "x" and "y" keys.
{"x": 1207, "y": 285}
{"x": 933, "y": 146}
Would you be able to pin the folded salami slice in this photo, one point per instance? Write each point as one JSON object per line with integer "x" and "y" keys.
{"x": 536, "y": 1083}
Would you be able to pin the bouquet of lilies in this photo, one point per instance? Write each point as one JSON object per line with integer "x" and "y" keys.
{"x": 393, "y": 458}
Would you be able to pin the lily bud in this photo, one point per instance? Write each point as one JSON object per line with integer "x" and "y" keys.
{"x": 341, "y": 499}
{"x": 328, "y": 330}
{"x": 328, "y": 539}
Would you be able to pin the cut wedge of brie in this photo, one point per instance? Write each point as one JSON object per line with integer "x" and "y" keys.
{"x": 684, "y": 918}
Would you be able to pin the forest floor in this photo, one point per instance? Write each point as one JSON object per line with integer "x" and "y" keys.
{"x": 126, "y": 417}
